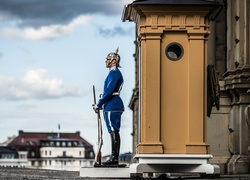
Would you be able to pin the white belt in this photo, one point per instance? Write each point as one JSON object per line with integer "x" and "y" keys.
{"x": 119, "y": 90}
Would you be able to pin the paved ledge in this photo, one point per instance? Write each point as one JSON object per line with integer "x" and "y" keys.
{"x": 37, "y": 174}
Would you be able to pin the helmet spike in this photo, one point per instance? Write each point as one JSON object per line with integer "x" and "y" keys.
{"x": 117, "y": 57}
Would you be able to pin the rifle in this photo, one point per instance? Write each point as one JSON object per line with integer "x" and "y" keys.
{"x": 98, "y": 156}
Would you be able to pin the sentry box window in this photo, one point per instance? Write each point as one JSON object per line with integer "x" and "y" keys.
{"x": 174, "y": 51}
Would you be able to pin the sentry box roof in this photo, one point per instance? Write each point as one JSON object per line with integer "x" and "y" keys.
{"x": 215, "y": 6}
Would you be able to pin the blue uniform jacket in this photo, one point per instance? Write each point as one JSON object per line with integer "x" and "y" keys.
{"x": 112, "y": 84}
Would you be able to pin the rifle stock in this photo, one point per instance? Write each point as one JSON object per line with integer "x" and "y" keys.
{"x": 98, "y": 157}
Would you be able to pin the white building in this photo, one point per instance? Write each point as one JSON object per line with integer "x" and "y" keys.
{"x": 12, "y": 158}
{"x": 57, "y": 151}
{"x": 63, "y": 154}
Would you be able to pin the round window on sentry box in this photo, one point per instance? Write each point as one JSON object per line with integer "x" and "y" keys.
{"x": 174, "y": 51}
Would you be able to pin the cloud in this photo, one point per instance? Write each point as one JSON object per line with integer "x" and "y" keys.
{"x": 38, "y": 13}
{"x": 35, "y": 84}
{"x": 47, "y": 19}
{"x": 117, "y": 30}
{"x": 45, "y": 32}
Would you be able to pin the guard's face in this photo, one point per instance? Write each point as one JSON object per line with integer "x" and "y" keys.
{"x": 108, "y": 63}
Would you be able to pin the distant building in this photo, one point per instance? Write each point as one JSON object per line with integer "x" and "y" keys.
{"x": 124, "y": 158}
{"x": 12, "y": 158}
{"x": 58, "y": 151}
{"x": 8, "y": 141}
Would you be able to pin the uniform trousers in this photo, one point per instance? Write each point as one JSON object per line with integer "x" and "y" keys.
{"x": 113, "y": 120}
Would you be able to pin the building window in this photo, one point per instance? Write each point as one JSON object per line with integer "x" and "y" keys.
{"x": 174, "y": 51}
{"x": 22, "y": 156}
{"x": 51, "y": 143}
{"x": 57, "y": 144}
{"x": 69, "y": 144}
{"x": 80, "y": 153}
{"x": 91, "y": 154}
{"x": 50, "y": 153}
{"x": 32, "y": 154}
{"x": 63, "y": 144}
{"x": 64, "y": 153}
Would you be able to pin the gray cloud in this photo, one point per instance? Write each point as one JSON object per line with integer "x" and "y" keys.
{"x": 37, "y": 13}
{"x": 117, "y": 30}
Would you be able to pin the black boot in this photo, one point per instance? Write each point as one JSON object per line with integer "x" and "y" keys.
{"x": 115, "y": 146}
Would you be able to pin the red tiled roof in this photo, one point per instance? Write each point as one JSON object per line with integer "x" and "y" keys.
{"x": 33, "y": 138}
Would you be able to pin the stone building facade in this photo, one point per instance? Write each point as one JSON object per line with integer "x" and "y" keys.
{"x": 228, "y": 129}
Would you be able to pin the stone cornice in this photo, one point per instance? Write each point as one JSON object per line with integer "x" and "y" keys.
{"x": 239, "y": 75}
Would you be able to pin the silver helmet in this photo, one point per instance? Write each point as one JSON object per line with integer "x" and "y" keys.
{"x": 114, "y": 56}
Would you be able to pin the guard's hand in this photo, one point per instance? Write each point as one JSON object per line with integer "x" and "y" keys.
{"x": 95, "y": 108}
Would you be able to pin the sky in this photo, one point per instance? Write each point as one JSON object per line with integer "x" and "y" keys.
{"x": 51, "y": 55}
